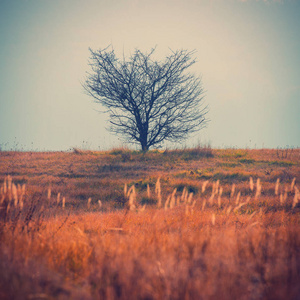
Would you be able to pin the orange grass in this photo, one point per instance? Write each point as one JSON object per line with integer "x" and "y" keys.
{"x": 220, "y": 250}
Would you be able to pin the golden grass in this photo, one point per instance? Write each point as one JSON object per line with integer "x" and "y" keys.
{"x": 217, "y": 238}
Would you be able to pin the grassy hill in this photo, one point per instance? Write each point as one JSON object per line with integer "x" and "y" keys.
{"x": 183, "y": 224}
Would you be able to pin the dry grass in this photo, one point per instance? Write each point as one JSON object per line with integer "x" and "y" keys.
{"x": 216, "y": 234}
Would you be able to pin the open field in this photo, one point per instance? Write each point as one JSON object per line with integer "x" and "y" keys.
{"x": 183, "y": 224}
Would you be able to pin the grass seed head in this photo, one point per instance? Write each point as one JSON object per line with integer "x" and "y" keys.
{"x": 281, "y": 199}
{"x": 204, "y": 186}
{"x": 148, "y": 191}
{"x": 213, "y": 219}
{"x": 232, "y": 190}
{"x": 258, "y": 188}
{"x": 21, "y": 204}
{"x": 238, "y": 198}
{"x": 142, "y": 208}
{"x": 277, "y": 186}
{"x": 251, "y": 183}
{"x": 131, "y": 201}
{"x": 184, "y": 196}
{"x": 285, "y": 194}
{"x": 9, "y": 183}
{"x": 220, "y": 191}
{"x": 296, "y": 196}
{"x": 203, "y": 204}
{"x": 174, "y": 192}
{"x": 253, "y": 214}
{"x": 190, "y": 198}
{"x": 58, "y": 198}
{"x": 157, "y": 186}
{"x": 125, "y": 190}
{"x": 172, "y": 201}
{"x": 15, "y": 194}
{"x": 167, "y": 202}
{"x": 293, "y": 183}
{"x": 229, "y": 210}
{"x": 211, "y": 199}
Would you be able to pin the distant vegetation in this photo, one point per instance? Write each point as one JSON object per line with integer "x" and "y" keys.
{"x": 179, "y": 224}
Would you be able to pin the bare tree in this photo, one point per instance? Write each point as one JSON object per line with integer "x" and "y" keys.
{"x": 149, "y": 101}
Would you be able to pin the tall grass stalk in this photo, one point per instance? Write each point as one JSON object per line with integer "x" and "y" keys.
{"x": 58, "y": 198}
{"x": 251, "y": 183}
{"x": 125, "y": 190}
{"x": 281, "y": 199}
{"x": 277, "y": 186}
{"x": 232, "y": 191}
{"x": 167, "y": 202}
{"x": 172, "y": 201}
{"x": 15, "y": 195}
{"x": 213, "y": 219}
{"x": 190, "y": 198}
{"x": 184, "y": 195}
{"x": 293, "y": 183}
{"x": 238, "y": 198}
{"x": 148, "y": 191}
{"x": 228, "y": 210}
{"x": 158, "y": 193}
{"x": 220, "y": 191}
{"x": 203, "y": 204}
{"x": 296, "y": 196}
{"x": 204, "y": 186}
{"x": 258, "y": 188}
{"x": 285, "y": 194}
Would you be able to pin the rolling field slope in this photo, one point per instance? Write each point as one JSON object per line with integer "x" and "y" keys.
{"x": 181, "y": 224}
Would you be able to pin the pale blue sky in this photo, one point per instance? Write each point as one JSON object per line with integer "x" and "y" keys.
{"x": 248, "y": 55}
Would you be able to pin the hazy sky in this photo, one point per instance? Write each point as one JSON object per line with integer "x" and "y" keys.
{"x": 248, "y": 55}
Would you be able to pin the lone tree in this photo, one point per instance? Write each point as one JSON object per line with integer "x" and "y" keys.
{"x": 149, "y": 101}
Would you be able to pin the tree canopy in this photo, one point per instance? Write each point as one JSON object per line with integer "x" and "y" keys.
{"x": 148, "y": 101}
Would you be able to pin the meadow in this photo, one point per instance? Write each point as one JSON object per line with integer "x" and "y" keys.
{"x": 197, "y": 223}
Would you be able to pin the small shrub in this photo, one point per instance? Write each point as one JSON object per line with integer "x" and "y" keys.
{"x": 190, "y": 188}
{"x": 148, "y": 201}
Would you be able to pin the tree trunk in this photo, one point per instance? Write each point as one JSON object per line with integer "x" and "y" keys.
{"x": 145, "y": 147}
{"x": 144, "y": 139}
